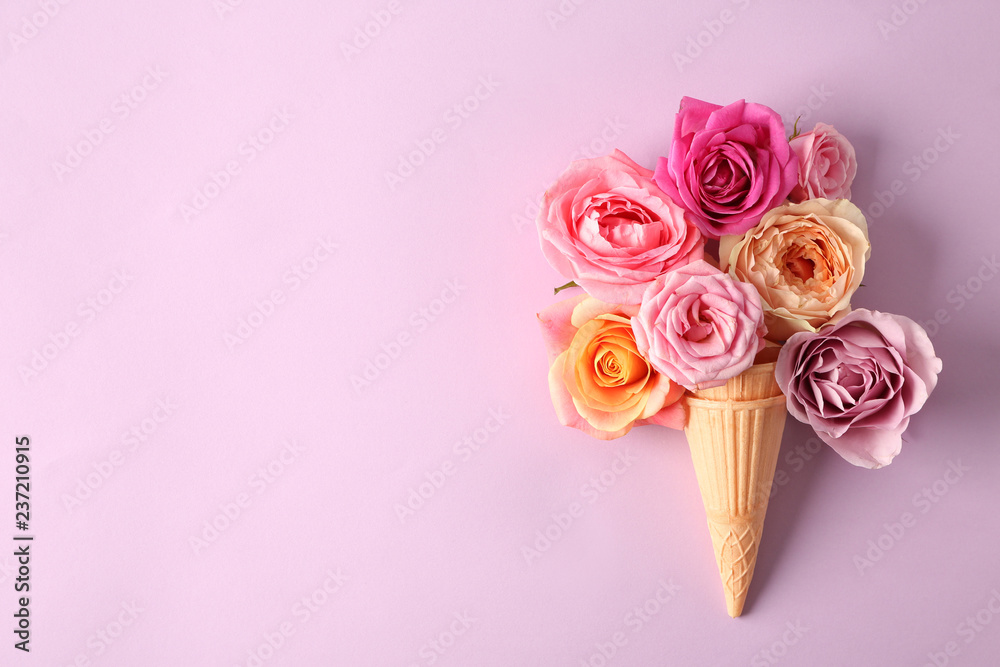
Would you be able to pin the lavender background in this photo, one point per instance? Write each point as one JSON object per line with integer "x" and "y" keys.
{"x": 177, "y": 279}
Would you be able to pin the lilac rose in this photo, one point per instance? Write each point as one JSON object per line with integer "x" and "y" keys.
{"x": 857, "y": 382}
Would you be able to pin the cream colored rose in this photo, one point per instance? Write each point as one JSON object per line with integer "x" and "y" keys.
{"x": 805, "y": 260}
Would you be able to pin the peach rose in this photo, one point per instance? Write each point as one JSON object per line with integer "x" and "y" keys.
{"x": 599, "y": 382}
{"x": 806, "y": 260}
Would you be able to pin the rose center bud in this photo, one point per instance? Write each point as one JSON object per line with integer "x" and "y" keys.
{"x": 806, "y": 266}
{"x": 698, "y": 332}
{"x": 609, "y": 369}
{"x": 800, "y": 267}
{"x": 850, "y": 377}
{"x": 624, "y": 225}
{"x": 853, "y": 382}
{"x": 724, "y": 179}
{"x": 718, "y": 176}
{"x": 698, "y": 329}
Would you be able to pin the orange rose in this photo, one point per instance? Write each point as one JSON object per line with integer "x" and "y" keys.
{"x": 599, "y": 382}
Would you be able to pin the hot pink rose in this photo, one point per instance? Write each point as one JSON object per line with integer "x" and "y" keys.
{"x": 728, "y": 166}
{"x": 607, "y": 226}
{"x": 599, "y": 382}
{"x": 699, "y": 327}
{"x": 827, "y": 164}
{"x": 857, "y": 382}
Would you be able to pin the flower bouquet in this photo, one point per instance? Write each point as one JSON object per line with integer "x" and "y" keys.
{"x": 725, "y": 343}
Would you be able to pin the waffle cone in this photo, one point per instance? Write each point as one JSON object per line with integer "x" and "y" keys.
{"x": 734, "y": 432}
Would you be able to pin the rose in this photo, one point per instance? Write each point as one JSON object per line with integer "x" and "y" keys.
{"x": 599, "y": 382}
{"x": 805, "y": 260}
{"x": 827, "y": 164}
{"x": 607, "y": 226}
{"x": 698, "y": 326}
{"x": 857, "y": 382}
{"x": 728, "y": 165}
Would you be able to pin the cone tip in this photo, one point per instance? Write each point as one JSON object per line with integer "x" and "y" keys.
{"x": 735, "y": 605}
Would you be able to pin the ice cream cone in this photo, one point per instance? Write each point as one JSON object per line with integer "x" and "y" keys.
{"x": 734, "y": 432}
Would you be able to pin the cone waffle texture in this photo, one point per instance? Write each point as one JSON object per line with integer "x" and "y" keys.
{"x": 734, "y": 432}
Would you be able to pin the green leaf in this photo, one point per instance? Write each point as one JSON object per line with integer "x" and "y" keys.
{"x": 795, "y": 128}
{"x": 566, "y": 286}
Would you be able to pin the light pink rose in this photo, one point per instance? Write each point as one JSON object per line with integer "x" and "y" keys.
{"x": 599, "y": 382}
{"x": 607, "y": 226}
{"x": 827, "y": 164}
{"x": 857, "y": 382}
{"x": 699, "y": 327}
{"x": 728, "y": 165}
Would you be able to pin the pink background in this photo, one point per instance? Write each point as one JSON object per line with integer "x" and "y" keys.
{"x": 158, "y": 100}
